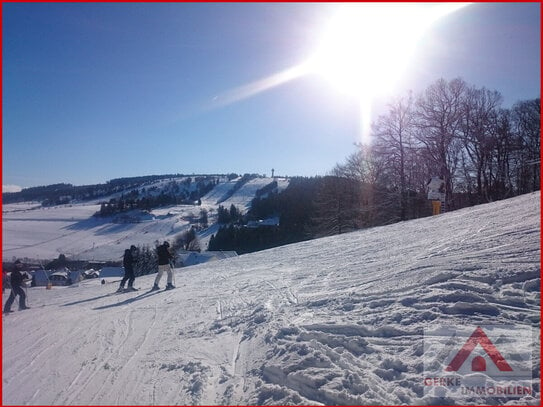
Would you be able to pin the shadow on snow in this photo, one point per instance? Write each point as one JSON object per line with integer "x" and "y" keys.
{"x": 129, "y": 300}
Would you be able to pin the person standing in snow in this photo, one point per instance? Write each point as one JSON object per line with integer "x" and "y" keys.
{"x": 17, "y": 281}
{"x": 164, "y": 258}
{"x": 5, "y": 281}
{"x": 128, "y": 263}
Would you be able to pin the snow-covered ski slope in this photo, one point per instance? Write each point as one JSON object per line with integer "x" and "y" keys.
{"x": 337, "y": 320}
{"x": 35, "y": 232}
{"x": 249, "y": 189}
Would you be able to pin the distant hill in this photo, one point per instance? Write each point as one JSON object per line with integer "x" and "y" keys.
{"x": 99, "y": 224}
{"x": 57, "y": 194}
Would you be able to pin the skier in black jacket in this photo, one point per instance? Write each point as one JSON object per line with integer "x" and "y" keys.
{"x": 164, "y": 259}
{"x": 17, "y": 280}
{"x": 128, "y": 263}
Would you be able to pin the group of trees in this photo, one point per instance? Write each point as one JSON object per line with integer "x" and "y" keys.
{"x": 245, "y": 240}
{"x": 232, "y": 215}
{"x": 173, "y": 193}
{"x": 146, "y": 260}
{"x": 187, "y": 240}
{"x": 295, "y": 206}
{"x": 456, "y": 131}
{"x": 58, "y": 194}
{"x": 62, "y": 193}
{"x": 461, "y": 133}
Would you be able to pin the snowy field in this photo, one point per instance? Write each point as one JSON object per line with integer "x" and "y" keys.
{"x": 34, "y": 232}
{"x": 337, "y": 320}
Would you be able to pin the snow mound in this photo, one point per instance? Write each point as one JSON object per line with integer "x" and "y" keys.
{"x": 337, "y": 320}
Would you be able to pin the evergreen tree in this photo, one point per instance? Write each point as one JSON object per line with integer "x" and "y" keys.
{"x": 223, "y": 216}
{"x": 146, "y": 261}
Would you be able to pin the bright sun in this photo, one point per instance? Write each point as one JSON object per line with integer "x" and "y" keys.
{"x": 363, "y": 52}
{"x": 367, "y": 46}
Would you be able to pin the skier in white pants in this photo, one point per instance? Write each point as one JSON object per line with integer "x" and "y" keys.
{"x": 164, "y": 258}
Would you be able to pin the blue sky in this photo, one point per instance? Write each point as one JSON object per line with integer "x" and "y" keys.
{"x": 98, "y": 91}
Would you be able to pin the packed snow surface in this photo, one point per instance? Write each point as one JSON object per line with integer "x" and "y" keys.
{"x": 337, "y": 320}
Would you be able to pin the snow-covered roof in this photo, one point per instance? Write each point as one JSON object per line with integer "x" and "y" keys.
{"x": 273, "y": 221}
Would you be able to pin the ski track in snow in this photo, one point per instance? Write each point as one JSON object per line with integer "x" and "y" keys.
{"x": 335, "y": 321}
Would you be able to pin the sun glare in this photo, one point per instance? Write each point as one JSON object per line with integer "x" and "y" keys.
{"x": 367, "y": 46}
{"x": 259, "y": 86}
{"x": 363, "y": 52}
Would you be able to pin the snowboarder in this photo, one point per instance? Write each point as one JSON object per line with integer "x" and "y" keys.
{"x": 128, "y": 263}
{"x": 17, "y": 280}
{"x": 164, "y": 258}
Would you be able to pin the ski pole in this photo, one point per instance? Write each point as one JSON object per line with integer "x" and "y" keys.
{"x": 49, "y": 284}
